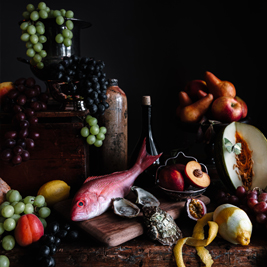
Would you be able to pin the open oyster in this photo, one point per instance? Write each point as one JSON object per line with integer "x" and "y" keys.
{"x": 145, "y": 198}
{"x": 160, "y": 225}
{"x": 125, "y": 208}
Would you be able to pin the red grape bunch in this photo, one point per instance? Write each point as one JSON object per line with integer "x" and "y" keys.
{"x": 253, "y": 202}
{"x": 22, "y": 102}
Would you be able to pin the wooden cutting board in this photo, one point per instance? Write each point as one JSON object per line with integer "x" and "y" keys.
{"x": 113, "y": 230}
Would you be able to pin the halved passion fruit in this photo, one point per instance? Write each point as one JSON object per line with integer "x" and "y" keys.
{"x": 195, "y": 208}
{"x": 240, "y": 156}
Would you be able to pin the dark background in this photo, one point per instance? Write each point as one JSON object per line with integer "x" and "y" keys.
{"x": 156, "y": 47}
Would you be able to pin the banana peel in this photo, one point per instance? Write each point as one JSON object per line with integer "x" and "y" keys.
{"x": 197, "y": 240}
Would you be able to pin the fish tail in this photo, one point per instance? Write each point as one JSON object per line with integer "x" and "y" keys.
{"x": 144, "y": 159}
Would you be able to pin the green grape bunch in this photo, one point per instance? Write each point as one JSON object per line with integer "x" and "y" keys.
{"x": 94, "y": 134}
{"x": 13, "y": 208}
{"x": 33, "y": 30}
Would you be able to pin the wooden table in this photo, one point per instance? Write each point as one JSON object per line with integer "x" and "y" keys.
{"x": 142, "y": 251}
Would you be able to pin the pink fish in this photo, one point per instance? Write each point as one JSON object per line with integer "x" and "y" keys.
{"x": 96, "y": 194}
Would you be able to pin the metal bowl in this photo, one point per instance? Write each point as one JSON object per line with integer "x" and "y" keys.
{"x": 191, "y": 191}
{"x": 55, "y": 51}
{"x": 61, "y": 92}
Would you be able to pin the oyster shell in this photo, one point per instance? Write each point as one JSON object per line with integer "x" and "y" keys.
{"x": 160, "y": 225}
{"x": 144, "y": 198}
{"x": 125, "y": 208}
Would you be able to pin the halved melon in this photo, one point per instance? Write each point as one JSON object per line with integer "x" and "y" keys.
{"x": 228, "y": 163}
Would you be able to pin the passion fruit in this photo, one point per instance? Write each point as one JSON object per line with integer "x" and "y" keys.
{"x": 195, "y": 208}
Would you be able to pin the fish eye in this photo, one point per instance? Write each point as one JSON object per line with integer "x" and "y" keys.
{"x": 80, "y": 203}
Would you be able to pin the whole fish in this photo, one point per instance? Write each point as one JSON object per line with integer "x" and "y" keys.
{"x": 96, "y": 194}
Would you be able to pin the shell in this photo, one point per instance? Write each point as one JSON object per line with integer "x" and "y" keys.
{"x": 125, "y": 208}
{"x": 160, "y": 225}
{"x": 145, "y": 198}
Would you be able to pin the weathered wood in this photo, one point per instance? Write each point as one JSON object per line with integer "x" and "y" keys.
{"x": 59, "y": 153}
{"x": 113, "y": 230}
{"x": 142, "y": 251}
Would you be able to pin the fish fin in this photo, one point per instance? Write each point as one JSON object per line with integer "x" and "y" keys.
{"x": 91, "y": 178}
{"x": 144, "y": 159}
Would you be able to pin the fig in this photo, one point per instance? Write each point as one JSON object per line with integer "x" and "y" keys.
{"x": 195, "y": 208}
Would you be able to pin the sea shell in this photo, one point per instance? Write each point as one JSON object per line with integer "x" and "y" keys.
{"x": 160, "y": 225}
{"x": 145, "y": 198}
{"x": 125, "y": 208}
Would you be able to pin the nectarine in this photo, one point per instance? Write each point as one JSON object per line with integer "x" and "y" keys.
{"x": 195, "y": 176}
{"x": 171, "y": 178}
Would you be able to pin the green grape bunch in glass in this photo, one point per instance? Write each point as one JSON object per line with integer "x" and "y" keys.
{"x": 33, "y": 30}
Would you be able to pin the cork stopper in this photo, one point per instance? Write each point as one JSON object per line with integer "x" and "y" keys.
{"x": 146, "y": 100}
{"x": 113, "y": 82}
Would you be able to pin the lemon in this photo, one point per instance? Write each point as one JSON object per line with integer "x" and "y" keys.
{"x": 234, "y": 224}
{"x": 54, "y": 191}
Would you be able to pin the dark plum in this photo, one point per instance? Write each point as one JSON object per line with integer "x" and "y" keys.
{"x": 25, "y": 155}
{"x": 9, "y": 143}
{"x": 16, "y": 159}
{"x": 29, "y": 143}
{"x": 17, "y": 150}
{"x": 21, "y": 100}
{"x": 10, "y": 135}
{"x": 30, "y": 82}
{"x": 6, "y": 154}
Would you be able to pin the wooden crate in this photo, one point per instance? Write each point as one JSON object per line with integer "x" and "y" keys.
{"x": 59, "y": 153}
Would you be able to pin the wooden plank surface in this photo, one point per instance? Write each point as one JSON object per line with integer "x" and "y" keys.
{"x": 113, "y": 230}
{"x": 59, "y": 153}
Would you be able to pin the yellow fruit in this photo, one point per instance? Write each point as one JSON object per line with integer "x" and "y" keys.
{"x": 198, "y": 241}
{"x": 234, "y": 224}
{"x": 54, "y": 191}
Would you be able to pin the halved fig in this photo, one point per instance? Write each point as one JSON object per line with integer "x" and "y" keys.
{"x": 195, "y": 208}
{"x": 195, "y": 176}
{"x": 247, "y": 167}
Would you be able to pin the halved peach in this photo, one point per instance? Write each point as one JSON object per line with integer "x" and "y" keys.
{"x": 195, "y": 176}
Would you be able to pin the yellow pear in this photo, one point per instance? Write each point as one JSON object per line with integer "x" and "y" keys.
{"x": 234, "y": 224}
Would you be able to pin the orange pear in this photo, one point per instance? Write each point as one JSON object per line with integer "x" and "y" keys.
{"x": 193, "y": 87}
{"x": 218, "y": 87}
{"x": 184, "y": 100}
{"x": 194, "y": 113}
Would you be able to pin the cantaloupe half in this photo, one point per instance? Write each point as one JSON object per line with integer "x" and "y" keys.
{"x": 226, "y": 162}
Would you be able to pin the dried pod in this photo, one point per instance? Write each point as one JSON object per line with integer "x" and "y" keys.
{"x": 195, "y": 208}
{"x": 144, "y": 197}
{"x": 125, "y": 208}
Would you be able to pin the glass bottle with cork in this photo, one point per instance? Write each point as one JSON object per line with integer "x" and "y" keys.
{"x": 147, "y": 178}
